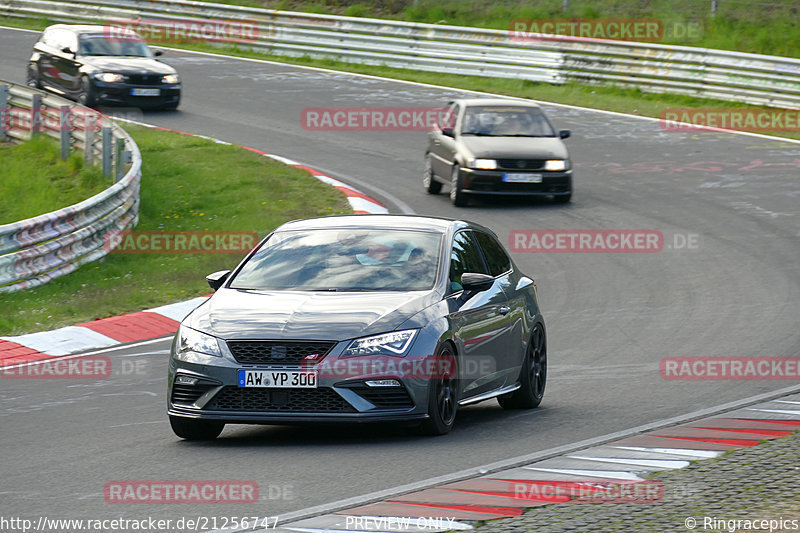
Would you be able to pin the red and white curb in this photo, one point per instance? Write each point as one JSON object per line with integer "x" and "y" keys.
{"x": 152, "y": 323}
{"x": 610, "y": 472}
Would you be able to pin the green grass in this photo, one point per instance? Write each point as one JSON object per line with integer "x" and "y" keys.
{"x": 188, "y": 183}
{"x": 34, "y": 180}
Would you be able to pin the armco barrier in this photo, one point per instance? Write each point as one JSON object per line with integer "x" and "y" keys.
{"x": 39, "y": 249}
{"x": 735, "y": 76}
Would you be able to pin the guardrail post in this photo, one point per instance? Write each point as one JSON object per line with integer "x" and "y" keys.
{"x": 64, "y": 127}
{"x": 4, "y": 112}
{"x": 107, "y": 146}
{"x": 565, "y": 6}
{"x": 88, "y": 145}
{"x": 714, "y": 6}
{"x": 36, "y": 114}
{"x": 119, "y": 164}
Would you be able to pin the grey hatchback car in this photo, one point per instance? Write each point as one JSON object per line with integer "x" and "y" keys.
{"x": 492, "y": 146}
{"x": 360, "y": 318}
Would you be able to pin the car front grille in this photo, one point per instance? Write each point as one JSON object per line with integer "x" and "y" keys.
{"x": 144, "y": 79}
{"x": 277, "y": 352}
{"x": 521, "y": 164}
{"x": 386, "y": 397}
{"x": 189, "y": 394}
{"x": 321, "y": 400}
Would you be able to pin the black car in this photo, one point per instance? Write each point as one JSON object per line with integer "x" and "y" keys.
{"x": 102, "y": 65}
{"x": 360, "y": 318}
{"x": 497, "y": 147}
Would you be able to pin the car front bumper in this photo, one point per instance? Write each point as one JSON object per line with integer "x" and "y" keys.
{"x": 339, "y": 397}
{"x": 490, "y": 182}
{"x": 121, "y": 94}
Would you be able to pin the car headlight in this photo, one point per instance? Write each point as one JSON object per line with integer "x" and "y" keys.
{"x": 555, "y": 165}
{"x": 109, "y": 77}
{"x": 170, "y": 79}
{"x": 394, "y": 343}
{"x": 191, "y": 340}
{"x": 482, "y": 164}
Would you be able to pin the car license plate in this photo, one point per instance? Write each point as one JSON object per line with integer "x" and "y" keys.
{"x": 522, "y": 178}
{"x": 145, "y": 92}
{"x": 278, "y": 379}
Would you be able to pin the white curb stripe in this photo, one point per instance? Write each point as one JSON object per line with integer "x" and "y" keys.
{"x": 657, "y": 463}
{"x": 605, "y": 474}
{"x": 63, "y": 341}
{"x": 779, "y": 411}
{"x": 704, "y": 454}
{"x": 178, "y": 311}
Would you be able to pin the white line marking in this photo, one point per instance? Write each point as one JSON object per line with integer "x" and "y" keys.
{"x": 604, "y": 474}
{"x": 704, "y": 454}
{"x": 655, "y": 463}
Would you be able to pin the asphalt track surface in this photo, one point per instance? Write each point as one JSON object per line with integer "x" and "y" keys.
{"x": 611, "y": 317}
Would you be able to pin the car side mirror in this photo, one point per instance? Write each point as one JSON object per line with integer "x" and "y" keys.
{"x": 564, "y": 134}
{"x": 474, "y": 282}
{"x": 216, "y": 280}
{"x": 67, "y": 50}
{"x": 158, "y": 53}
{"x": 450, "y": 132}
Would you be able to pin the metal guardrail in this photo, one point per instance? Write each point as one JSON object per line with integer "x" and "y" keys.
{"x": 733, "y": 76}
{"x": 39, "y": 249}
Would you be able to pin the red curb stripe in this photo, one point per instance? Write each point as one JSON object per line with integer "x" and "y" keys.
{"x": 256, "y": 150}
{"x": 728, "y": 442}
{"x": 134, "y": 327}
{"x": 775, "y": 433}
{"x": 356, "y": 194}
{"x": 498, "y": 511}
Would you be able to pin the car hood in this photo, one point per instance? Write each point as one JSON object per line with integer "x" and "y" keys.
{"x": 248, "y": 314}
{"x": 515, "y": 147}
{"x": 127, "y": 64}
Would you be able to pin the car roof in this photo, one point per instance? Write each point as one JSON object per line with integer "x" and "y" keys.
{"x": 388, "y": 222}
{"x": 468, "y": 102}
{"x": 89, "y": 28}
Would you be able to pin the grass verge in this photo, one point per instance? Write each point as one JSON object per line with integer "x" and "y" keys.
{"x": 34, "y": 180}
{"x": 188, "y": 183}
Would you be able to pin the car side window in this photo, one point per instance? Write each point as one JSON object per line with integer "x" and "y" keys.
{"x": 465, "y": 257}
{"x": 496, "y": 257}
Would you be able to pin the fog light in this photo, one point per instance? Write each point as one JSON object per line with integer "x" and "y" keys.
{"x": 185, "y": 380}
{"x": 383, "y": 383}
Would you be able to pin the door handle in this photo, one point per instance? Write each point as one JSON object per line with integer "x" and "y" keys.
{"x": 504, "y": 310}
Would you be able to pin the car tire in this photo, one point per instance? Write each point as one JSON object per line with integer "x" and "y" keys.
{"x": 442, "y": 394}
{"x": 563, "y": 198}
{"x": 457, "y": 194}
{"x": 87, "y": 95}
{"x": 533, "y": 376}
{"x": 33, "y": 78}
{"x": 192, "y": 429}
{"x": 428, "y": 180}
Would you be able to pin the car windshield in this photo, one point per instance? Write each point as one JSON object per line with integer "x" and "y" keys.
{"x": 506, "y": 121}
{"x": 113, "y": 45}
{"x": 344, "y": 260}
